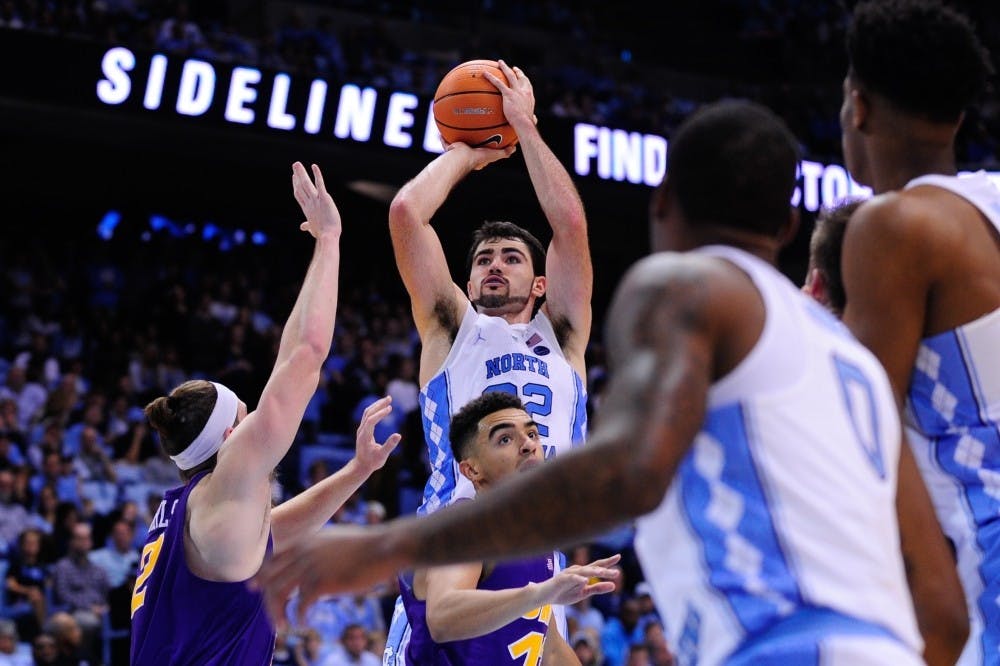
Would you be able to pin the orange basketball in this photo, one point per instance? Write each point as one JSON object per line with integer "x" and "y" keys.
{"x": 468, "y": 108}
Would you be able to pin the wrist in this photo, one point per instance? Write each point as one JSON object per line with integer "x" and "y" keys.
{"x": 328, "y": 238}
{"x": 354, "y": 468}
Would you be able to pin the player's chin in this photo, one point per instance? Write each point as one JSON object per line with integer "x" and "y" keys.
{"x": 529, "y": 463}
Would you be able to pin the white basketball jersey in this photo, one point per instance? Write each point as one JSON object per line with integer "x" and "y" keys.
{"x": 780, "y": 524}
{"x": 491, "y": 355}
{"x": 953, "y": 422}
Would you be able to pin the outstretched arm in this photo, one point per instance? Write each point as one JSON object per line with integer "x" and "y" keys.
{"x": 568, "y": 267}
{"x": 308, "y": 511}
{"x": 661, "y": 338}
{"x": 238, "y": 488}
{"x": 457, "y": 609}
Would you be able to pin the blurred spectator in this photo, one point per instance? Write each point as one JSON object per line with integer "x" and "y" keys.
{"x": 13, "y": 515}
{"x": 587, "y": 648}
{"x": 12, "y": 651}
{"x": 45, "y": 651}
{"x": 81, "y": 588}
{"x": 69, "y": 641}
{"x": 352, "y": 649}
{"x": 27, "y": 394}
{"x": 27, "y": 584}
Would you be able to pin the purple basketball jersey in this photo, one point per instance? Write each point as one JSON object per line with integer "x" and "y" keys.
{"x": 179, "y": 618}
{"x": 518, "y": 643}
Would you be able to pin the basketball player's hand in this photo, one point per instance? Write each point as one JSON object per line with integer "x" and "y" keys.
{"x": 370, "y": 454}
{"x": 335, "y": 560}
{"x": 478, "y": 158}
{"x": 322, "y": 216}
{"x": 518, "y": 96}
{"x": 581, "y": 581}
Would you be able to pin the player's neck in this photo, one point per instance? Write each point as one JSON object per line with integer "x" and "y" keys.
{"x": 522, "y": 316}
{"x": 900, "y": 158}
{"x": 761, "y": 246}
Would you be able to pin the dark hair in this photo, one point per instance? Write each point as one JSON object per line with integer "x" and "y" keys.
{"x": 826, "y": 245}
{"x": 496, "y": 229}
{"x": 462, "y": 430}
{"x": 179, "y": 417}
{"x": 923, "y": 57}
{"x": 732, "y": 163}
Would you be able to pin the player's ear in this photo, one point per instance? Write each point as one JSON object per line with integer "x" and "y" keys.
{"x": 469, "y": 469}
{"x": 815, "y": 286}
{"x": 538, "y": 286}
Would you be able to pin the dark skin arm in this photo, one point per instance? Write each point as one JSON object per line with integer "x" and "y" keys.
{"x": 665, "y": 321}
{"x": 887, "y": 273}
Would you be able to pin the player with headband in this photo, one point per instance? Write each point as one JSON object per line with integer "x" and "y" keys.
{"x": 190, "y": 604}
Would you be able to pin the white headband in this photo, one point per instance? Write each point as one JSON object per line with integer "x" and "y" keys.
{"x": 210, "y": 438}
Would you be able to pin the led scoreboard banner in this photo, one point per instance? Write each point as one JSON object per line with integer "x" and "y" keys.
{"x": 84, "y": 75}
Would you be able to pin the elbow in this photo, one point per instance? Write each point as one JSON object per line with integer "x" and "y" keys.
{"x": 953, "y": 630}
{"x": 439, "y": 629}
{"x": 944, "y": 623}
{"x": 401, "y": 211}
{"x": 310, "y": 354}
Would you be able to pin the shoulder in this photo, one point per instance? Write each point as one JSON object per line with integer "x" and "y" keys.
{"x": 688, "y": 285}
{"x": 908, "y": 219}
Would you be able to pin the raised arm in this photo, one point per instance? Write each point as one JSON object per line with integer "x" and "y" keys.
{"x": 255, "y": 447}
{"x": 308, "y": 511}
{"x": 457, "y": 609}
{"x": 662, "y": 338}
{"x": 568, "y": 267}
{"x": 436, "y": 300}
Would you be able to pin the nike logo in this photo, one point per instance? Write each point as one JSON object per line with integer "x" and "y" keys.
{"x": 496, "y": 138}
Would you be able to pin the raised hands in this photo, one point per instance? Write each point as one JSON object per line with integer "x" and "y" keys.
{"x": 369, "y": 453}
{"x": 322, "y": 216}
{"x": 518, "y": 95}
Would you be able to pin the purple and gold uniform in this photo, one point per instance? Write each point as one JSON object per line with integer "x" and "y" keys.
{"x": 180, "y": 618}
{"x": 518, "y": 643}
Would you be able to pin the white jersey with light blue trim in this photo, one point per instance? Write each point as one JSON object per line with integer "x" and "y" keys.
{"x": 953, "y": 423}
{"x": 490, "y": 354}
{"x": 778, "y": 537}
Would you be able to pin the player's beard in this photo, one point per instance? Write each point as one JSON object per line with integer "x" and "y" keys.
{"x": 499, "y": 301}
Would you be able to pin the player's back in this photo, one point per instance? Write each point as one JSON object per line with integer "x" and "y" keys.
{"x": 778, "y": 538}
{"x": 953, "y": 402}
{"x": 490, "y": 354}
{"x": 179, "y": 618}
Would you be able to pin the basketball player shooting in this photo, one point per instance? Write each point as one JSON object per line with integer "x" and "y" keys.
{"x": 522, "y": 322}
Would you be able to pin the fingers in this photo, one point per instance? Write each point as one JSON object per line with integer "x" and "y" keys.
{"x": 604, "y": 587}
{"x": 301, "y": 183}
{"x": 318, "y": 175}
{"x": 497, "y": 82}
{"x": 391, "y": 443}
{"x": 511, "y": 74}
